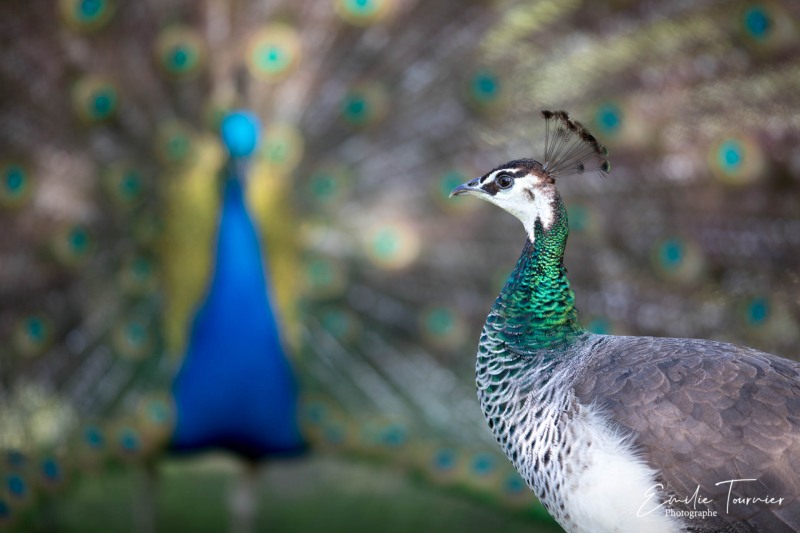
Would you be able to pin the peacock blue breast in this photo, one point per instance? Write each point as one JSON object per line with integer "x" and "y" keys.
{"x": 236, "y": 389}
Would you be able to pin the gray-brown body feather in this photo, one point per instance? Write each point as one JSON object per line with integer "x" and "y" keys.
{"x": 705, "y": 412}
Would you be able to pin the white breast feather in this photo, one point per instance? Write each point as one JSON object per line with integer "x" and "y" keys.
{"x": 609, "y": 492}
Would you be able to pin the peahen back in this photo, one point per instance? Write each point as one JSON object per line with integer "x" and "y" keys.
{"x": 111, "y": 196}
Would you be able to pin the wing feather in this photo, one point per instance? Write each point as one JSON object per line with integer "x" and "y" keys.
{"x": 705, "y": 412}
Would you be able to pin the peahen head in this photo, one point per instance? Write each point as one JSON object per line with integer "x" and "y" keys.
{"x": 527, "y": 189}
{"x": 522, "y": 187}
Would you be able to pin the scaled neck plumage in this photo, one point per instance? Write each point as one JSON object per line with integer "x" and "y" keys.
{"x": 535, "y": 312}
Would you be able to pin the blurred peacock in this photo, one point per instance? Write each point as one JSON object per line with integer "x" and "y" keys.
{"x": 122, "y": 211}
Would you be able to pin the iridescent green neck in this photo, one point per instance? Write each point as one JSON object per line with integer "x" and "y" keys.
{"x": 536, "y": 308}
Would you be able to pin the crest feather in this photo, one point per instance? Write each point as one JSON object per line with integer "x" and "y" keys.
{"x": 570, "y": 148}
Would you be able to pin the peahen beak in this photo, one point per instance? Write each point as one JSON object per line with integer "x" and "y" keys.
{"x": 471, "y": 188}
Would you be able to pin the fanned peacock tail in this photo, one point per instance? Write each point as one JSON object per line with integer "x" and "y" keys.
{"x": 111, "y": 190}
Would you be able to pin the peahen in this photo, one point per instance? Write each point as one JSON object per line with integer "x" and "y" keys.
{"x": 111, "y": 199}
{"x": 623, "y": 433}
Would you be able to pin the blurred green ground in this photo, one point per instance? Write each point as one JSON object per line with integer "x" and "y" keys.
{"x": 314, "y": 495}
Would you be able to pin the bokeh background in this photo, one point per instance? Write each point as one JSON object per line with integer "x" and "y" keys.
{"x": 371, "y": 112}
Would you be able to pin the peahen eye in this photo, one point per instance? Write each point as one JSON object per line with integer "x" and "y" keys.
{"x": 505, "y": 181}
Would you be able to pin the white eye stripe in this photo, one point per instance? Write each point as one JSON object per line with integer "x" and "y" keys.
{"x": 491, "y": 177}
{"x": 488, "y": 178}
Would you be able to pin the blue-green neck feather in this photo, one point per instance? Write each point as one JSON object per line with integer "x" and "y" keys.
{"x": 536, "y": 308}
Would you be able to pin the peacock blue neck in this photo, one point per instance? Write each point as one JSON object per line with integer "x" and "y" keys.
{"x": 536, "y": 308}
